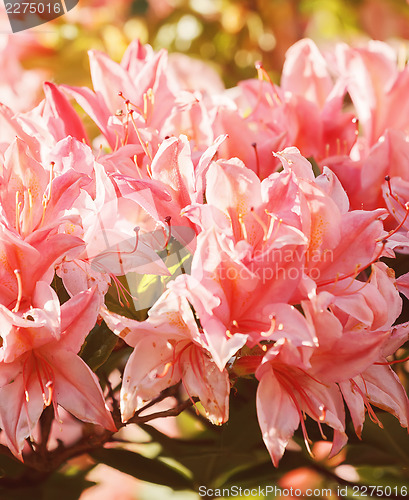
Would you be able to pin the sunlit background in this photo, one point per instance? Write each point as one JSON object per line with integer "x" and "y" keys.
{"x": 231, "y": 35}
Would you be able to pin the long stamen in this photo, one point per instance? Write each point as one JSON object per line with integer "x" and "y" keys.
{"x": 324, "y": 437}
{"x": 358, "y": 269}
{"x": 388, "y": 180}
{"x": 143, "y": 144}
{"x": 30, "y": 207}
{"x": 406, "y": 207}
{"x": 272, "y": 328}
{"x": 118, "y": 291}
{"x": 47, "y": 197}
{"x": 17, "y": 273}
{"x": 261, "y": 222}
{"x": 165, "y": 370}
{"x": 116, "y": 142}
{"x": 273, "y": 219}
{"x": 26, "y": 394}
{"x": 365, "y": 399}
{"x": 138, "y": 168}
{"x": 128, "y": 102}
{"x": 242, "y": 226}
{"x": 290, "y": 392}
{"x": 304, "y": 396}
{"x": 18, "y": 207}
{"x": 148, "y": 103}
{"x": 126, "y": 127}
{"x": 172, "y": 364}
{"x": 124, "y": 252}
{"x": 402, "y": 205}
{"x": 40, "y": 380}
{"x": 49, "y": 386}
{"x": 394, "y": 362}
{"x": 175, "y": 360}
{"x": 49, "y": 375}
{"x": 263, "y": 75}
{"x": 101, "y": 268}
{"x": 254, "y": 146}
{"x": 99, "y": 152}
{"x": 51, "y": 181}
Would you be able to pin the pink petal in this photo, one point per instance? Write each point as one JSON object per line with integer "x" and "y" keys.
{"x": 77, "y": 389}
{"x": 18, "y": 416}
{"x": 202, "y": 378}
{"x": 78, "y": 317}
{"x": 277, "y": 415}
{"x": 147, "y": 373}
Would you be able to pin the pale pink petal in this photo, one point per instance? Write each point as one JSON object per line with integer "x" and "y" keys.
{"x": 355, "y": 405}
{"x": 292, "y": 160}
{"x": 385, "y": 390}
{"x": 202, "y": 378}
{"x": 77, "y": 389}
{"x": 403, "y": 284}
{"x": 277, "y": 415}
{"x": 18, "y": 416}
{"x": 173, "y": 166}
{"x": 147, "y": 373}
{"x": 305, "y": 72}
{"x": 58, "y": 106}
{"x": 78, "y": 317}
{"x": 331, "y": 185}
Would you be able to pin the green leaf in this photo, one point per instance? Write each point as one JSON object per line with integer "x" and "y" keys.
{"x": 34, "y": 484}
{"x": 392, "y": 439}
{"x": 315, "y": 168}
{"x": 383, "y": 476}
{"x": 362, "y": 454}
{"x": 149, "y": 287}
{"x": 65, "y": 487}
{"x": 60, "y": 290}
{"x": 145, "y": 469}
{"x": 98, "y": 346}
{"x": 265, "y": 472}
{"x": 219, "y": 452}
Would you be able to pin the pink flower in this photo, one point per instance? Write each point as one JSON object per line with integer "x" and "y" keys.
{"x": 39, "y": 365}
{"x": 300, "y": 380}
{"x": 24, "y": 264}
{"x": 376, "y": 86}
{"x": 378, "y": 385}
{"x": 168, "y": 348}
{"x": 286, "y": 391}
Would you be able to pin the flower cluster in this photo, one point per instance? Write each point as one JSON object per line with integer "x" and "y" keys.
{"x": 280, "y": 277}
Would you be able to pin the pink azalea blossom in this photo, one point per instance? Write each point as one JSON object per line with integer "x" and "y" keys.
{"x": 168, "y": 348}
{"x": 39, "y": 365}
